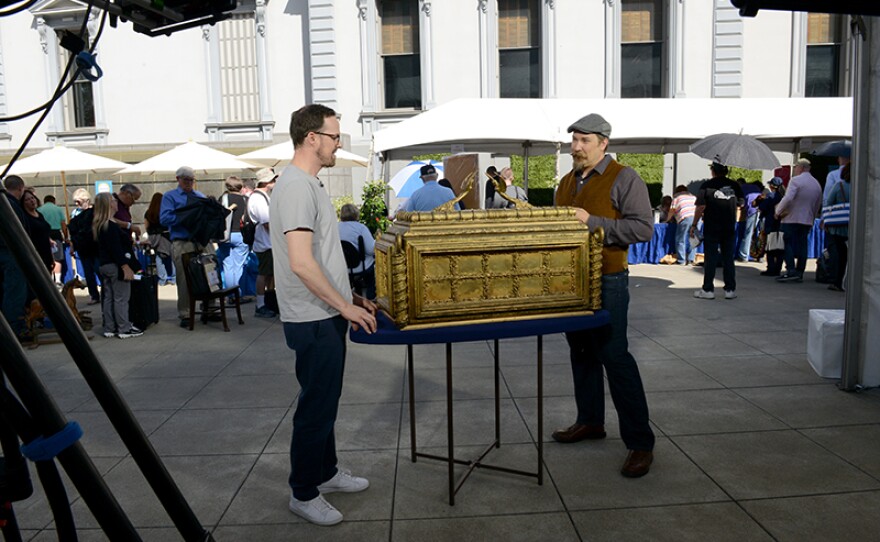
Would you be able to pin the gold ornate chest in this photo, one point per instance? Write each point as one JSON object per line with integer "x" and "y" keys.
{"x": 441, "y": 267}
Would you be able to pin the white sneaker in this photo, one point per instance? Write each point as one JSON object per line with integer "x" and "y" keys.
{"x": 729, "y": 294}
{"x": 109, "y": 334}
{"x": 703, "y": 294}
{"x": 317, "y": 511}
{"x": 344, "y": 482}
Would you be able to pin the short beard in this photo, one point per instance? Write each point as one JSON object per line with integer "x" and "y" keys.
{"x": 580, "y": 163}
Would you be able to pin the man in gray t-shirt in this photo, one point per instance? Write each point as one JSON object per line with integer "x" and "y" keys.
{"x": 316, "y": 305}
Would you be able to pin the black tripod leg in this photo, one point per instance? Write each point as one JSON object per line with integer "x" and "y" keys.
{"x": 14, "y": 416}
{"x": 49, "y": 420}
{"x": 106, "y": 392}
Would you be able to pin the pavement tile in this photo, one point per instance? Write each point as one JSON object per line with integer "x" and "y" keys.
{"x": 217, "y": 431}
{"x": 100, "y": 439}
{"x": 754, "y": 371}
{"x": 719, "y": 345}
{"x": 775, "y": 342}
{"x": 247, "y": 391}
{"x": 587, "y": 475}
{"x": 474, "y": 423}
{"x": 718, "y": 522}
{"x": 831, "y": 518}
{"x": 513, "y": 528}
{"x": 857, "y": 444}
{"x": 366, "y": 531}
{"x": 674, "y": 375}
{"x": 708, "y": 411}
{"x": 422, "y": 489}
{"x": 154, "y": 393}
{"x": 772, "y": 464}
{"x": 265, "y": 494}
{"x": 208, "y": 483}
{"x": 814, "y": 406}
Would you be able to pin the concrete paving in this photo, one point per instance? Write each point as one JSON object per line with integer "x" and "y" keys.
{"x": 751, "y": 443}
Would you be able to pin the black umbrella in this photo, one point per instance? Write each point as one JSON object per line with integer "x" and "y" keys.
{"x": 204, "y": 218}
{"x": 834, "y": 148}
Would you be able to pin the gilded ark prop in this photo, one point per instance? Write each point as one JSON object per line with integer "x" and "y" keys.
{"x": 446, "y": 266}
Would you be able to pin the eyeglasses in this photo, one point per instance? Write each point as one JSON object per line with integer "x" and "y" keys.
{"x": 334, "y": 137}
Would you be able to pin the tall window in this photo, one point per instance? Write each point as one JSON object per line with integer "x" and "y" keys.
{"x": 824, "y": 49}
{"x": 401, "y": 71}
{"x": 641, "y": 49}
{"x": 239, "y": 88}
{"x": 79, "y": 101}
{"x": 519, "y": 53}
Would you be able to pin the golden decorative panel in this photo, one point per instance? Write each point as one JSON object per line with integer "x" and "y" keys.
{"x": 445, "y": 266}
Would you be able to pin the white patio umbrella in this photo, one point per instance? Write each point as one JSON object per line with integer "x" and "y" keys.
{"x": 408, "y": 180}
{"x": 62, "y": 160}
{"x": 203, "y": 159}
{"x": 282, "y": 153}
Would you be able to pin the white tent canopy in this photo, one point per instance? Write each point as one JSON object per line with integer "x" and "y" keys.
{"x": 281, "y": 153}
{"x": 504, "y": 126}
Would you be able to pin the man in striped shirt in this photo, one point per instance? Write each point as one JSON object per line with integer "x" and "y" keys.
{"x": 683, "y": 206}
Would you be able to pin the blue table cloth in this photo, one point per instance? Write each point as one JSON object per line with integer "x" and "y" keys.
{"x": 388, "y": 333}
{"x": 663, "y": 243}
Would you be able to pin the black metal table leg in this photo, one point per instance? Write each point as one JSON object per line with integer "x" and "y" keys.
{"x": 540, "y": 410}
{"x": 450, "y": 424}
{"x": 497, "y": 400}
{"x": 412, "y": 402}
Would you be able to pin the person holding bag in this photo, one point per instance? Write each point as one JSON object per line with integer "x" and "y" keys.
{"x": 775, "y": 248}
{"x": 117, "y": 268}
{"x": 837, "y": 228}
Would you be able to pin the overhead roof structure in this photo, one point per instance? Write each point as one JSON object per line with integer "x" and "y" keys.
{"x": 506, "y": 126}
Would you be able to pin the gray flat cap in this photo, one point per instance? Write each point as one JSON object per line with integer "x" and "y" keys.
{"x": 591, "y": 124}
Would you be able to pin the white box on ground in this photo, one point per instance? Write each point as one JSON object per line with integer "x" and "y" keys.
{"x": 825, "y": 342}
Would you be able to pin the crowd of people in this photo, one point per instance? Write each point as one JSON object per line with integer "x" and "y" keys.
{"x": 771, "y": 222}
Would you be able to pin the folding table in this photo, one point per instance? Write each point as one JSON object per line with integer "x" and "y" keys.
{"x": 538, "y": 326}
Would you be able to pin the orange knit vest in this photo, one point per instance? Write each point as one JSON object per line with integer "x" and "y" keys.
{"x": 595, "y": 198}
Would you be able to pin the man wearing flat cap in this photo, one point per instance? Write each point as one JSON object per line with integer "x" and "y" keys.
{"x": 431, "y": 195}
{"x": 609, "y": 195}
{"x": 181, "y": 238}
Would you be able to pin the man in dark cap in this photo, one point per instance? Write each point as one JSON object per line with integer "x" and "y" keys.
{"x": 609, "y": 195}
{"x": 717, "y": 202}
{"x": 431, "y": 194}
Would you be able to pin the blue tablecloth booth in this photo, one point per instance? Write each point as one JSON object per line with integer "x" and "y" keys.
{"x": 663, "y": 243}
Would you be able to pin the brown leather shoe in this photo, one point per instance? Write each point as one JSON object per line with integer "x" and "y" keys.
{"x": 637, "y": 464}
{"x": 579, "y": 432}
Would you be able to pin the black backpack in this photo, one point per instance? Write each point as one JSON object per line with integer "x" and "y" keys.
{"x": 81, "y": 236}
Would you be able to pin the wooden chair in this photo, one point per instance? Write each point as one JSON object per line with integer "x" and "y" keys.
{"x": 207, "y": 296}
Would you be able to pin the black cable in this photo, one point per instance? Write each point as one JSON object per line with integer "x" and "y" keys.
{"x": 59, "y": 91}
{"x": 13, "y": 11}
{"x": 61, "y": 87}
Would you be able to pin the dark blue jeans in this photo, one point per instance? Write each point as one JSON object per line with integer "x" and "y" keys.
{"x": 711, "y": 242}
{"x": 320, "y": 363}
{"x": 795, "y": 237}
{"x": 607, "y": 347}
{"x": 15, "y": 289}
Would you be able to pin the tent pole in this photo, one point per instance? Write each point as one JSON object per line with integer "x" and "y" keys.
{"x": 526, "y": 145}
{"x": 858, "y": 292}
{"x": 64, "y": 187}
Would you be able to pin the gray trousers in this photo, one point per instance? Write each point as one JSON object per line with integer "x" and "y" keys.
{"x": 115, "y": 294}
